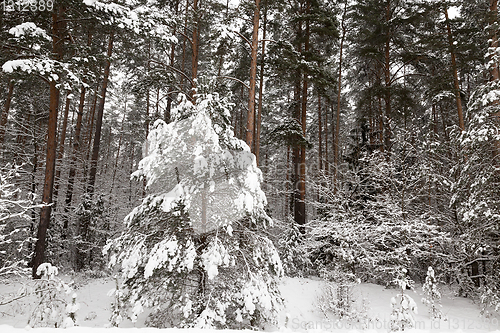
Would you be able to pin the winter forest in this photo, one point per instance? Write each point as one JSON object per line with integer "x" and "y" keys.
{"x": 195, "y": 152}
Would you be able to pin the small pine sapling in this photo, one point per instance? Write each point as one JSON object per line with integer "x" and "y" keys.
{"x": 52, "y": 309}
{"x": 432, "y": 295}
{"x": 71, "y": 310}
{"x": 338, "y": 298}
{"x": 403, "y": 306}
{"x": 117, "y": 305}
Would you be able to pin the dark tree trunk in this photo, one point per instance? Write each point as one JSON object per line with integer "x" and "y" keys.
{"x": 195, "y": 45}
{"x": 253, "y": 78}
{"x": 83, "y": 226}
{"x": 261, "y": 90}
{"x": 336, "y": 150}
{"x": 456, "y": 83}
{"x": 62, "y": 140}
{"x": 74, "y": 156}
{"x": 5, "y": 112}
{"x": 98, "y": 125}
{"x": 58, "y": 28}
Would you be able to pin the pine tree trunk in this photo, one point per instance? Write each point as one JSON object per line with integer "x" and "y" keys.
{"x": 327, "y": 162}
{"x": 166, "y": 115}
{"x": 90, "y": 129}
{"x": 98, "y": 125}
{"x": 195, "y": 45}
{"x": 253, "y": 78}
{"x": 320, "y": 135}
{"x": 62, "y": 140}
{"x": 5, "y": 112}
{"x": 456, "y": 83}
{"x": 494, "y": 69}
{"x": 58, "y": 28}
{"x": 183, "y": 63}
{"x": 388, "y": 83}
{"x": 74, "y": 156}
{"x": 339, "y": 95}
{"x": 83, "y": 227}
{"x": 300, "y": 217}
{"x": 118, "y": 150}
{"x": 261, "y": 90}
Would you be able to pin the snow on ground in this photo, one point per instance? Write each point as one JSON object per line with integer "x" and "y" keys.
{"x": 300, "y": 312}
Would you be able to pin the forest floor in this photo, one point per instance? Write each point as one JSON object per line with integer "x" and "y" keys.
{"x": 300, "y": 313}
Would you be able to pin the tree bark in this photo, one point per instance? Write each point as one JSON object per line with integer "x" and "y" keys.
{"x": 74, "y": 156}
{"x": 320, "y": 135}
{"x": 194, "y": 59}
{"x": 58, "y": 28}
{"x": 494, "y": 71}
{"x": 83, "y": 226}
{"x": 62, "y": 140}
{"x": 387, "y": 81}
{"x": 118, "y": 149}
{"x": 456, "y": 83}
{"x": 90, "y": 125}
{"x": 261, "y": 89}
{"x": 339, "y": 95}
{"x": 253, "y": 78}
{"x": 300, "y": 212}
{"x": 98, "y": 125}
{"x": 5, "y": 112}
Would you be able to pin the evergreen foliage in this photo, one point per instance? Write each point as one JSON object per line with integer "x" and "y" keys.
{"x": 195, "y": 250}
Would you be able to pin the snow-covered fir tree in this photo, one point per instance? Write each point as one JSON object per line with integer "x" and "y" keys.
{"x": 195, "y": 250}
{"x": 432, "y": 295}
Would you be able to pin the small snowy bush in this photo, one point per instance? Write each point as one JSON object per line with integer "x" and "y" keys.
{"x": 52, "y": 309}
{"x": 338, "y": 299}
{"x": 432, "y": 295}
{"x": 403, "y": 306}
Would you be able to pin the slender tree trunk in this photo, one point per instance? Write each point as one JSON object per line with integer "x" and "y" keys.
{"x": 253, "y": 78}
{"x": 494, "y": 69}
{"x": 194, "y": 59}
{"x": 34, "y": 162}
{"x": 261, "y": 88}
{"x": 387, "y": 81}
{"x": 90, "y": 130}
{"x": 100, "y": 113}
{"x": 456, "y": 83}
{"x": 183, "y": 64}
{"x": 327, "y": 162}
{"x": 118, "y": 150}
{"x": 166, "y": 115}
{"x": 5, "y": 112}
{"x": 58, "y": 28}
{"x": 83, "y": 226}
{"x": 339, "y": 95}
{"x": 74, "y": 156}
{"x": 320, "y": 135}
{"x": 146, "y": 125}
{"x": 301, "y": 204}
{"x": 62, "y": 140}
{"x": 131, "y": 169}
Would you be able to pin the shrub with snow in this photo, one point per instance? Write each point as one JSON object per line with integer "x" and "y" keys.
{"x": 338, "y": 301}
{"x": 52, "y": 308}
{"x": 403, "y": 306}
{"x": 195, "y": 250}
{"x": 432, "y": 295}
